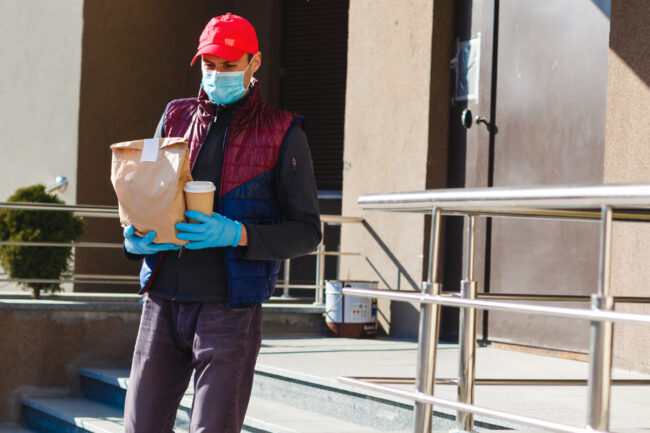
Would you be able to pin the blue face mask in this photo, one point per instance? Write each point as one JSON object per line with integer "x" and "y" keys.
{"x": 224, "y": 87}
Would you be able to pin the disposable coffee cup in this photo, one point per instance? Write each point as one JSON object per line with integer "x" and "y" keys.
{"x": 199, "y": 196}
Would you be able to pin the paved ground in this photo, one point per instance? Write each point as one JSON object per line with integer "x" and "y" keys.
{"x": 329, "y": 358}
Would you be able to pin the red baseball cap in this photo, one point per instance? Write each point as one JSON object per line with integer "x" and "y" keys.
{"x": 227, "y": 36}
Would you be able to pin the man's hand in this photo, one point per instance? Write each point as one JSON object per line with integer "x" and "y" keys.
{"x": 212, "y": 231}
{"x": 137, "y": 245}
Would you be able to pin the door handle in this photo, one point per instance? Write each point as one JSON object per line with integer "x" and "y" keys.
{"x": 467, "y": 120}
{"x": 480, "y": 120}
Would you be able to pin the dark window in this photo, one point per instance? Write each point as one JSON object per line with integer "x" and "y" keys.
{"x": 313, "y": 74}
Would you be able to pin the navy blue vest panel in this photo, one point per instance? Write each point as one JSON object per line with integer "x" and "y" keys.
{"x": 253, "y": 202}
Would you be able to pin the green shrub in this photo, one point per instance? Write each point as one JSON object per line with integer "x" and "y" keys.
{"x": 43, "y": 226}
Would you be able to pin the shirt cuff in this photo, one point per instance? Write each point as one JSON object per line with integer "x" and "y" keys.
{"x": 131, "y": 256}
{"x": 241, "y": 251}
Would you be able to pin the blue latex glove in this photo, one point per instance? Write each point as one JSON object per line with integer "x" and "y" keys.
{"x": 137, "y": 245}
{"x": 211, "y": 231}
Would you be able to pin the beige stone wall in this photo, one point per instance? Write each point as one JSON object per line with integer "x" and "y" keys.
{"x": 46, "y": 342}
{"x": 627, "y": 160}
{"x": 40, "y": 60}
{"x": 386, "y": 136}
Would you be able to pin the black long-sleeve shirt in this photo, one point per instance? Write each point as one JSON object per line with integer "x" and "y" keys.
{"x": 200, "y": 275}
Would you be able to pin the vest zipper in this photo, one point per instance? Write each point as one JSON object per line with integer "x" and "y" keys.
{"x": 214, "y": 119}
{"x": 223, "y": 167}
{"x": 180, "y": 252}
{"x": 223, "y": 163}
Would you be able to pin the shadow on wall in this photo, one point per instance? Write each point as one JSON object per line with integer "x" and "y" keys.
{"x": 406, "y": 320}
{"x": 605, "y": 6}
{"x": 401, "y": 270}
{"x": 404, "y": 316}
{"x": 631, "y": 42}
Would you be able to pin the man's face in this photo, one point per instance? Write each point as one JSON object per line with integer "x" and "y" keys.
{"x": 214, "y": 63}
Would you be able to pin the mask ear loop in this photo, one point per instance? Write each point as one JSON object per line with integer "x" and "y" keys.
{"x": 250, "y": 82}
{"x": 249, "y": 63}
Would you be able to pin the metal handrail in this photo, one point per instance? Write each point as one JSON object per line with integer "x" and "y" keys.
{"x": 635, "y": 198}
{"x": 632, "y": 203}
{"x": 559, "y": 298}
{"x": 498, "y": 382}
{"x": 78, "y": 210}
{"x": 68, "y": 280}
{"x": 113, "y": 212}
{"x": 62, "y": 244}
{"x": 430, "y": 400}
{"x": 568, "y": 313}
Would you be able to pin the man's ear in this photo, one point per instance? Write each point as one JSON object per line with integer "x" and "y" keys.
{"x": 257, "y": 62}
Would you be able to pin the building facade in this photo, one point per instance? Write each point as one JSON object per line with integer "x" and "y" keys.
{"x": 561, "y": 89}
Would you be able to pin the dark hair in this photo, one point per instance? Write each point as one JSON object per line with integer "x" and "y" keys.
{"x": 250, "y": 56}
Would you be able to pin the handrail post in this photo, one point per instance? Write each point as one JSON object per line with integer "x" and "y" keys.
{"x": 467, "y": 332}
{"x": 601, "y": 334}
{"x": 287, "y": 270}
{"x": 320, "y": 268}
{"x": 428, "y": 334}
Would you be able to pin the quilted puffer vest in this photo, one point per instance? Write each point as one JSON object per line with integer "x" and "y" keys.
{"x": 247, "y": 191}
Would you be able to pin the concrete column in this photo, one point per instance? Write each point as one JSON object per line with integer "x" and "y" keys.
{"x": 627, "y": 160}
{"x": 387, "y": 141}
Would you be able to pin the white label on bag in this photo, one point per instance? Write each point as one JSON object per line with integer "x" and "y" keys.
{"x": 149, "y": 150}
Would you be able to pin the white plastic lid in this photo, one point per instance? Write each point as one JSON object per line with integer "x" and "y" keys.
{"x": 199, "y": 186}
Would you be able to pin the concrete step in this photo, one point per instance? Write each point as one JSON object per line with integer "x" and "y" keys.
{"x": 332, "y": 398}
{"x": 298, "y": 391}
{"x": 269, "y": 415}
{"x": 292, "y": 318}
{"x": 303, "y": 404}
{"x": 105, "y": 385}
{"x": 12, "y": 428}
{"x": 283, "y": 401}
{"x": 78, "y": 415}
{"x": 290, "y": 299}
{"x": 72, "y": 415}
{"x": 281, "y": 317}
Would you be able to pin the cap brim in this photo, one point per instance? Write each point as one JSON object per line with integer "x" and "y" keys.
{"x": 223, "y": 51}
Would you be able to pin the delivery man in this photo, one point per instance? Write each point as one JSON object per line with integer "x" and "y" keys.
{"x": 203, "y": 310}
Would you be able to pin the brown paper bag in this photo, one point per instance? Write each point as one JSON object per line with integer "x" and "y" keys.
{"x": 148, "y": 177}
